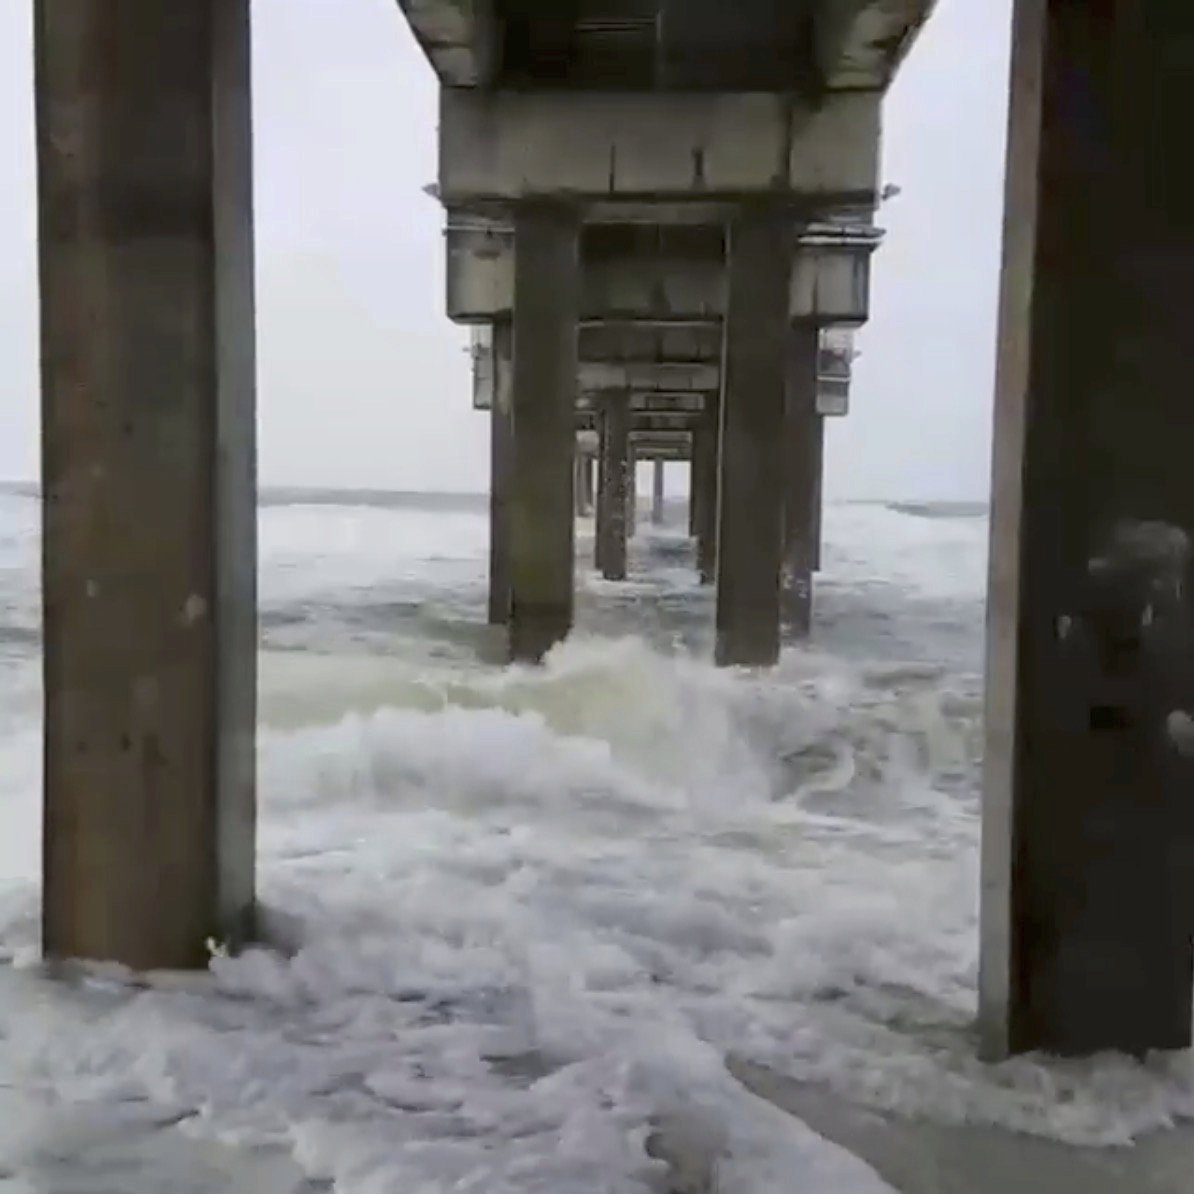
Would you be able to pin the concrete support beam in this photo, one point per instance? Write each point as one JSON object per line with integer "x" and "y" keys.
{"x": 501, "y": 471}
{"x": 644, "y": 421}
{"x": 801, "y": 437}
{"x": 860, "y": 44}
{"x": 653, "y": 287}
{"x": 148, "y": 395}
{"x": 662, "y": 445}
{"x": 613, "y": 488}
{"x": 653, "y": 402}
{"x": 830, "y": 279}
{"x": 666, "y": 377}
{"x": 544, "y": 398}
{"x": 659, "y": 356}
{"x": 671, "y": 452}
{"x": 648, "y": 343}
{"x": 657, "y": 494}
{"x": 1088, "y": 828}
{"x": 651, "y": 342}
{"x": 458, "y": 37}
{"x": 503, "y": 146}
{"x": 752, "y": 457}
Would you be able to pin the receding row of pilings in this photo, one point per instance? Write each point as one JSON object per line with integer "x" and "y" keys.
{"x": 606, "y": 488}
{"x": 754, "y": 447}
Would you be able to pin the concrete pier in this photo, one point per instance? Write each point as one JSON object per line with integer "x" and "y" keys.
{"x": 148, "y": 408}
{"x": 613, "y": 495}
{"x": 752, "y": 459}
{"x": 657, "y": 493}
{"x": 501, "y": 469}
{"x": 546, "y": 294}
{"x": 801, "y": 439}
{"x": 1088, "y": 835}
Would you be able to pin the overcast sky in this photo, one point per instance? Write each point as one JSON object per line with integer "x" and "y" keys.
{"x": 362, "y": 379}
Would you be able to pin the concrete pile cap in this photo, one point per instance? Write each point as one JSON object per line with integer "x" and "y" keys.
{"x": 842, "y": 236}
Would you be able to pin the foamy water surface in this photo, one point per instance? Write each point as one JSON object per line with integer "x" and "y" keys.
{"x": 532, "y": 914}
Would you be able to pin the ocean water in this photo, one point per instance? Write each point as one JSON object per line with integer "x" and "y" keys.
{"x": 532, "y": 918}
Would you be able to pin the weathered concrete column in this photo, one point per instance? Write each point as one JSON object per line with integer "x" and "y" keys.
{"x": 818, "y": 535}
{"x": 1088, "y": 819}
{"x": 501, "y": 467}
{"x": 542, "y": 529}
{"x": 800, "y": 443}
{"x": 632, "y": 494}
{"x": 612, "y": 499}
{"x": 584, "y": 485}
{"x": 694, "y": 494}
{"x": 707, "y": 479}
{"x": 657, "y": 496}
{"x": 149, "y": 565}
{"x": 755, "y": 376}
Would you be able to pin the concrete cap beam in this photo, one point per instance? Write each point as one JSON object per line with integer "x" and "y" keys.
{"x": 645, "y": 421}
{"x": 855, "y": 45}
{"x": 861, "y": 43}
{"x": 665, "y": 376}
{"x": 458, "y": 37}
{"x": 671, "y": 386}
{"x": 499, "y": 147}
{"x": 830, "y": 277}
{"x": 690, "y": 403}
{"x": 646, "y": 342}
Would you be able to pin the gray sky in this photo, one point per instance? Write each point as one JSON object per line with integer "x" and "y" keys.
{"x": 362, "y": 379}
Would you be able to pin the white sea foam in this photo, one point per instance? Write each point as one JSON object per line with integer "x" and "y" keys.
{"x": 530, "y": 914}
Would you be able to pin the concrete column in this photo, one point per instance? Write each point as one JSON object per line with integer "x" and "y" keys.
{"x": 542, "y": 529}
{"x": 584, "y": 485}
{"x": 752, "y": 459}
{"x": 1088, "y": 821}
{"x": 612, "y": 499}
{"x": 149, "y": 564}
{"x": 705, "y": 444}
{"x": 694, "y": 512}
{"x": 819, "y": 495}
{"x": 800, "y": 441}
{"x": 657, "y": 495}
{"x": 501, "y": 466}
{"x": 632, "y": 495}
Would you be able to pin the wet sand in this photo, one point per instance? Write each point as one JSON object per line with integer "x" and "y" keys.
{"x": 921, "y": 1157}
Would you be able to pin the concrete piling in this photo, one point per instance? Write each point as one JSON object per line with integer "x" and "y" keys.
{"x": 148, "y": 417}
{"x": 542, "y": 528}
{"x": 501, "y": 467}
{"x": 707, "y": 479}
{"x": 584, "y": 485}
{"x": 761, "y": 246}
{"x": 632, "y": 494}
{"x": 613, "y": 496}
{"x": 818, "y": 531}
{"x": 1088, "y": 836}
{"x": 800, "y": 444}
